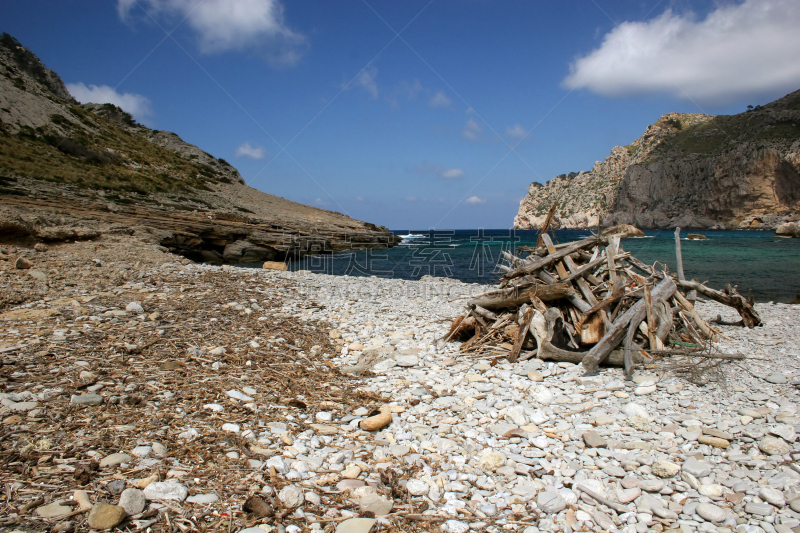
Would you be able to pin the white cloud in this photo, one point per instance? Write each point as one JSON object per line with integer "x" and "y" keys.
{"x": 320, "y": 201}
{"x": 135, "y": 104}
{"x": 359, "y": 198}
{"x": 472, "y": 130}
{"x": 450, "y": 173}
{"x": 253, "y": 152}
{"x": 223, "y": 25}
{"x": 439, "y": 99}
{"x": 410, "y": 198}
{"x": 474, "y": 200}
{"x": 516, "y": 131}
{"x": 738, "y": 50}
{"x": 366, "y": 80}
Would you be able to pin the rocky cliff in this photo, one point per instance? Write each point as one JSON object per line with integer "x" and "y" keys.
{"x": 70, "y": 171}
{"x": 688, "y": 170}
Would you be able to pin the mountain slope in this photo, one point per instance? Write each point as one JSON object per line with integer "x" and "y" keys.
{"x": 102, "y": 172}
{"x": 687, "y": 170}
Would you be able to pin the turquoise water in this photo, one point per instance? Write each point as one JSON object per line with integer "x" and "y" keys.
{"x": 756, "y": 261}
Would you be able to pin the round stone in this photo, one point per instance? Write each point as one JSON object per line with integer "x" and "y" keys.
{"x": 773, "y": 496}
{"x": 417, "y": 487}
{"x": 132, "y": 500}
{"x": 710, "y": 512}
{"x": 665, "y": 469}
{"x": 491, "y": 460}
{"x": 713, "y": 441}
{"x": 551, "y": 502}
{"x": 162, "y": 490}
{"x": 292, "y": 496}
{"x": 774, "y": 446}
{"x": 105, "y": 516}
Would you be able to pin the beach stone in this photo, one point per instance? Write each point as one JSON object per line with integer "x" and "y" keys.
{"x": 551, "y": 502}
{"x": 53, "y": 510}
{"x": 115, "y": 459}
{"x": 784, "y": 431}
{"x": 772, "y": 496}
{"x": 132, "y": 500}
{"x": 710, "y": 512}
{"x": 86, "y": 399}
{"x": 406, "y": 361}
{"x": 291, "y": 496}
{"x": 376, "y": 504}
{"x": 776, "y": 378}
{"x": 594, "y": 440}
{"x": 535, "y": 376}
{"x": 159, "y": 449}
{"x": 711, "y": 490}
{"x": 350, "y": 484}
{"x": 713, "y": 441}
{"x": 632, "y": 409}
{"x": 355, "y": 525}
{"x": 542, "y": 395}
{"x": 142, "y": 451}
{"x": 162, "y": 490}
{"x": 774, "y": 446}
{"x": 603, "y": 520}
{"x": 603, "y": 420}
{"x": 643, "y": 389}
{"x": 203, "y": 499}
{"x": 629, "y": 482}
{"x": 795, "y": 505}
{"x": 758, "y": 509}
{"x": 417, "y": 487}
{"x": 651, "y": 485}
{"x": 134, "y": 307}
{"x": 22, "y": 264}
{"x": 697, "y": 468}
{"x": 351, "y": 472}
{"x": 491, "y": 460}
{"x": 105, "y": 516}
{"x": 717, "y": 433}
{"x": 453, "y": 526}
{"x": 665, "y": 468}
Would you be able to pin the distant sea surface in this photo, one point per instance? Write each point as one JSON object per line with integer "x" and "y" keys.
{"x": 756, "y": 261}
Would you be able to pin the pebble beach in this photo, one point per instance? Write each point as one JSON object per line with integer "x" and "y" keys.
{"x": 143, "y": 391}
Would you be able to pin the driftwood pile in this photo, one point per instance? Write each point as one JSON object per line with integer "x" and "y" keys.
{"x": 591, "y": 302}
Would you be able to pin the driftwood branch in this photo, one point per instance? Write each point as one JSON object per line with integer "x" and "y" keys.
{"x": 552, "y": 258}
{"x": 664, "y": 290}
{"x": 730, "y": 297}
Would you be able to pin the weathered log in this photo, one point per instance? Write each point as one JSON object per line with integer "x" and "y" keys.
{"x": 730, "y": 297}
{"x": 523, "y": 332}
{"x": 637, "y": 319}
{"x": 573, "y": 298}
{"x": 592, "y": 330}
{"x": 691, "y": 295}
{"x": 690, "y": 310}
{"x": 485, "y": 313}
{"x": 532, "y": 267}
{"x": 514, "y": 297}
{"x": 663, "y": 291}
{"x": 705, "y": 355}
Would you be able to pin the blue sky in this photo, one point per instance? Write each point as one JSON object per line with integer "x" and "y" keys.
{"x": 413, "y": 114}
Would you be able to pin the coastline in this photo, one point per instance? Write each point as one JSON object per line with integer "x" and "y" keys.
{"x": 237, "y": 375}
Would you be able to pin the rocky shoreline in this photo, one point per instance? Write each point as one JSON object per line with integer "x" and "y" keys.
{"x": 141, "y": 390}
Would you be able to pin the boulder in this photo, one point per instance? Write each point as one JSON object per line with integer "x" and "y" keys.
{"x": 625, "y": 231}
{"x": 789, "y": 229}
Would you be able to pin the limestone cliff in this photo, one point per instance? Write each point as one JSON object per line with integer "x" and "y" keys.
{"x": 70, "y": 171}
{"x": 689, "y": 170}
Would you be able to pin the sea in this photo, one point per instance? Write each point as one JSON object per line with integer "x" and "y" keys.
{"x": 759, "y": 263}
